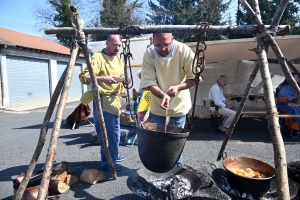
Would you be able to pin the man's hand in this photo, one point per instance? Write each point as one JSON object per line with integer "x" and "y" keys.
{"x": 165, "y": 102}
{"x": 172, "y": 91}
{"x": 230, "y": 106}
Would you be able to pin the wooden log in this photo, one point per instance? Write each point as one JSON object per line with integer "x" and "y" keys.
{"x": 292, "y": 116}
{"x": 58, "y": 186}
{"x": 278, "y": 146}
{"x": 71, "y": 179}
{"x": 83, "y": 45}
{"x": 56, "y": 126}
{"x": 30, "y": 193}
{"x": 239, "y": 111}
{"x": 92, "y": 176}
{"x": 137, "y": 30}
{"x": 60, "y": 177}
{"x": 42, "y": 138}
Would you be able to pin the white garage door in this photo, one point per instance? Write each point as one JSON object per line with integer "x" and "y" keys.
{"x": 75, "y": 91}
{"x": 28, "y": 83}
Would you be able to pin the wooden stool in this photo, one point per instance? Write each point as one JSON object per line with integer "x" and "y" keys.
{"x": 214, "y": 116}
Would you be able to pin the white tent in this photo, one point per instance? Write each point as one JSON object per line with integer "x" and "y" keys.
{"x": 231, "y": 58}
{"x": 238, "y": 49}
{"x": 228, "y": 57}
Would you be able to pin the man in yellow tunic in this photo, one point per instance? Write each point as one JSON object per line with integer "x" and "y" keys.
{"x": 167, "y": 73}
{"x": 108, "y": 67}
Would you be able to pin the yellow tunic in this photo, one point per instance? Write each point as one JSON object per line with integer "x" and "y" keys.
{"x": 105, "y": 65}
{"x": 169, "y": 71}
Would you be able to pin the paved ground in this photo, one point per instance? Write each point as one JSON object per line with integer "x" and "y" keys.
{"x": 20, "y": 132}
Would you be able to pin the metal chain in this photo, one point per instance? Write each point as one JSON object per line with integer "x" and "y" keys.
{"x": 127, "y": 56}
{"x": 198, "y": 64}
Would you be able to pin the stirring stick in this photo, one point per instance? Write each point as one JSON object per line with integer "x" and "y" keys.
{"x": 142, "y": 124}
{"x": 166, "y": 120}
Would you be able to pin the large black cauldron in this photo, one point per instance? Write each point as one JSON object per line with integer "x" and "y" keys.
{"x": 159, "y": 151}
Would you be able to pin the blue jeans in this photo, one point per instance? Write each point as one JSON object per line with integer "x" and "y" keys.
{"x": 112, "y": 123}
{"x": 173, "y": 121}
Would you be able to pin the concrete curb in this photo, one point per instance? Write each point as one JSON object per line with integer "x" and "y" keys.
{"x": 14, "y": 112}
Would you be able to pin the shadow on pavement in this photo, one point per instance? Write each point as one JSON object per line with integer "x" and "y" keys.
{"x": 63, "y": 126}
{"x": 246, "y": 130}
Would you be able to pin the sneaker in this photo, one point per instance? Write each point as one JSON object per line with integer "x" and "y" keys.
{"x": 120, "y": 158}
{"x": 179, "y": 165}
{"x": 117, "y": 167}
{"x": 223, "y": 129}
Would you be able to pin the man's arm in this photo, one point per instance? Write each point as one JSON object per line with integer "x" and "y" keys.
{"x": 105, "y": 79}
{"x": 216, "y": 98}
{"x": 156, "y": 91}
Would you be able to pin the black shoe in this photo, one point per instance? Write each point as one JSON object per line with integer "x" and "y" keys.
{"x": 294, "y": 134}
{"x": 120, "y": 158}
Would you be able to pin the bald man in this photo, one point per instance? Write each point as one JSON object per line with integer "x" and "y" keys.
{"x": 216, "y": 95}
{"x": 108, "y": 67}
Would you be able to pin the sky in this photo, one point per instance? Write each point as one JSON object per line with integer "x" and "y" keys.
{"x": 18, "y": 16}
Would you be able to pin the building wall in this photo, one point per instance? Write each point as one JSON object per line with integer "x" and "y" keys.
{"x": 29, "y": 78}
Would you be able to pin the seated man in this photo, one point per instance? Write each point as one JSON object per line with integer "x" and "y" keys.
{"x": 218, "y": 99}
{"x": 287, "y": 103}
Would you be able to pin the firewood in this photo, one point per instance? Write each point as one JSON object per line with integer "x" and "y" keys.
{"x": 60, "y": 177}
{"x": 92, "y": 176}
{"x": 63, "y": 166}
{"x": 53, "y": 197}
{"x": 71, "y": 179}
{"x": 30, "y": 193}
{"x": 58, "y": 186}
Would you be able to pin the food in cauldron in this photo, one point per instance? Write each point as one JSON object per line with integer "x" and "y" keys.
{"x": 248, "y": 172}
{"x": 256, "y": 186}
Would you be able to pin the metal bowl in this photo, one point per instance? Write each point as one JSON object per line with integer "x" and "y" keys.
{"x": 256, "y": 186}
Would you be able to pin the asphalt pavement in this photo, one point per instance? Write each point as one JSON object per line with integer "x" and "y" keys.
{"x": 20, "y": 132}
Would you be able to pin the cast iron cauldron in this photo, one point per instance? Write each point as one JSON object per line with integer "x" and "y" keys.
{"x": 159, "y": 151}
{"x": 256, "y": 186}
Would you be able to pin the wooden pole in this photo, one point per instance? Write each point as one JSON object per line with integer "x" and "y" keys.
{"x": 42, "y": 138}
{"x": 137, "y": 30}
{"x": 274, "y": 129}
{"x": 83, "y": 44}
{"x": 273, "y": 125}
{"x": 239, "y": 111}
{"x": 56, "y": 127}
{"x": 293, "y": 68}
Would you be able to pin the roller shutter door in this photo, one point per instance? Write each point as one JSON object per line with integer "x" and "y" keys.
{"x": 28, "y": 83}
{"x": 75, "y": 91}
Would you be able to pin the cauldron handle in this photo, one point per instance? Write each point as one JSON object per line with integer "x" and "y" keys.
{"x": 224, "y": 155}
